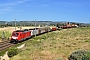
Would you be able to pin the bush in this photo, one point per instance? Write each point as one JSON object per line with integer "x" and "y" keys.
{"x": 6, "y": 34}
{"x": 3, "y": 52}
{"x": 12, "y": 52}
{"x": 87, "y": 56}
{"x": 78, "y": 55}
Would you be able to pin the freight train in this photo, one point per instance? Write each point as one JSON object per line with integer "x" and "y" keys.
{"x": 21, "y": 35}
{"x": 68, "y": 25}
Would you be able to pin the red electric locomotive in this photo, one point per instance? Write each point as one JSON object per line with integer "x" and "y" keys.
{"x": 20, "y": 35}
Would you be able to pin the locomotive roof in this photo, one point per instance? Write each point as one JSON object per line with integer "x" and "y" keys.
{"x": 19, "y": 31}
{"x": 26, "y": 29}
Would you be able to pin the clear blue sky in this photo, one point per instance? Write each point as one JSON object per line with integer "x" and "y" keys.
{"x": 45, "y": 10}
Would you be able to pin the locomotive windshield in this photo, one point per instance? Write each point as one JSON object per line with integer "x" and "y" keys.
{"x": 15, "y": 34}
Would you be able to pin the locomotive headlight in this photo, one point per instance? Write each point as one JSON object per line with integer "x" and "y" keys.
{"x": 14, "y": 37}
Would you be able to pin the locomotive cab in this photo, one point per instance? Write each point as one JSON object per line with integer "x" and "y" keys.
{"x": 20, "y": 35}
{"x": 14, "y": 37}
{"x": 17, "y": 36}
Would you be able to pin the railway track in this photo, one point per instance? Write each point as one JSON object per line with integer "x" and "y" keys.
{"x": 4, "y": 45}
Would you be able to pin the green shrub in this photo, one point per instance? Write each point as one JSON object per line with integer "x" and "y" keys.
{"x": 87, "y": 56}
{"x": 6, "y": 34}
{"x": 3, "y": 52}
{"x": 78, "y": 55}
{"x": 12, "y": 52}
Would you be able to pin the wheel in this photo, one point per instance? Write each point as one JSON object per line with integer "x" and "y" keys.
{"x": 15, "y": 41}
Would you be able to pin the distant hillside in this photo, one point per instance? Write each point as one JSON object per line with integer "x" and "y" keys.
{"x": 2, "y": 22}
{"x": 43, "y": 23}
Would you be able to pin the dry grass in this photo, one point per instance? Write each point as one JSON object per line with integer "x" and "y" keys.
{"x": 56, "y": 45}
